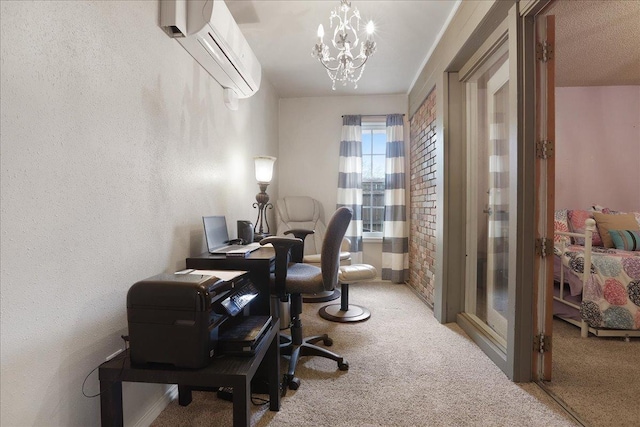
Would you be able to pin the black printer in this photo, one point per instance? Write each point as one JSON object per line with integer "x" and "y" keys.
{"x": 175, "y": 318}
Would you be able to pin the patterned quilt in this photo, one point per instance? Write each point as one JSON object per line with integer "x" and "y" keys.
{"x": 611, "y": 295}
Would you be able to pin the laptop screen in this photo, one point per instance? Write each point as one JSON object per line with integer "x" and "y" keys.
{"x": 215, "y": 231}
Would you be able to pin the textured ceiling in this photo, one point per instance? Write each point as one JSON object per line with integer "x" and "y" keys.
{"x": 283, "y": 33}
{"x": 597, "y": 42}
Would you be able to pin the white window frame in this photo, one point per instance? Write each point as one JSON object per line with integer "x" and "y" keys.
{"x": 373, "y": 124}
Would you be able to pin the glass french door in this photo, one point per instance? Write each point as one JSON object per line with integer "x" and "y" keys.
{"x": 488, "y": 187}
{"x": 486, "y": 96}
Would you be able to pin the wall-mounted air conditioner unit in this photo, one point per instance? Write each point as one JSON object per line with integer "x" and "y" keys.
{"x": 207, "y": 30}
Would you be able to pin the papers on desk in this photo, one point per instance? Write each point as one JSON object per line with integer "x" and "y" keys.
{"x": 226, "y": 275}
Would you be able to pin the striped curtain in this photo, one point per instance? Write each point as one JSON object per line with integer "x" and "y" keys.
{"x": 350, "y": 181}
{"x": 395, "y": 243}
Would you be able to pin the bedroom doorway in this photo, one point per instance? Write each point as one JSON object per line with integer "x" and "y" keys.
{"x": 578, "y": 362}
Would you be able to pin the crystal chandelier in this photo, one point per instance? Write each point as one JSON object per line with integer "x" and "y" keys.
{"x": 344, "y": 66}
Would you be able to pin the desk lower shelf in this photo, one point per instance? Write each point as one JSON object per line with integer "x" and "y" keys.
{"x": 226, "y": 371}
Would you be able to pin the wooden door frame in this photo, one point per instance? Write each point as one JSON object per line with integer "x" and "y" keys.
{"x": 529, "y": 10}
{"x": 545, "y": 192}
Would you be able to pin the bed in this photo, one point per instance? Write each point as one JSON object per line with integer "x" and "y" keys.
{"x": 606, "y": 300}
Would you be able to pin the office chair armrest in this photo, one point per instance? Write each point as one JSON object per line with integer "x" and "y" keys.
{"x": 300, "y": 233}
{"x": 282, "y": 246}
{"x": 297, "y": 252}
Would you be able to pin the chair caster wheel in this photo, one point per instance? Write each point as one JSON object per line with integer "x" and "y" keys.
{"x": 343, "y": 366}
{"x": 294, "y": 383}
{"x": 328, "y": 342}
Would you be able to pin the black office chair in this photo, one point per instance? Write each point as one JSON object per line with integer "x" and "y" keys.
{"x": 292, "y": 279}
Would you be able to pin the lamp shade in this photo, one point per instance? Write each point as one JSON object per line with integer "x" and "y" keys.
{"x": 264, "y": 168}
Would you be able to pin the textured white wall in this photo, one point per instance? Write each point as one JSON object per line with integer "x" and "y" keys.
{"x": 598, "y": 147}
{"x": 114, "y": 144}
{"x": 310, "y": 130}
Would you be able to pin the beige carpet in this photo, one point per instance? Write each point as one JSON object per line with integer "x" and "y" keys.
{"x": 598, "y": 378}
{"x": 406, "y": 369}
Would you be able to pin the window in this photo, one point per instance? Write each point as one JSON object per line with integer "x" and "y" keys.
{"x": 374, "y": 140}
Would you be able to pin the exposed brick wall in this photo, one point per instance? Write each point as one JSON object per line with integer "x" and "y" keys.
{"x": 422, "y": 236}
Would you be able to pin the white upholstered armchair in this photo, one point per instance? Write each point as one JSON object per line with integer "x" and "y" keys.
{"x": 303, "y": 213}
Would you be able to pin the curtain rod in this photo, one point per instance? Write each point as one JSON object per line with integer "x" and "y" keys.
{"x": 371, "y": 115}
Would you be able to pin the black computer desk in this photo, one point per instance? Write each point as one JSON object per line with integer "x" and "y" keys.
{"x": 259, "y": 264}
{"x": 226, "y": 371}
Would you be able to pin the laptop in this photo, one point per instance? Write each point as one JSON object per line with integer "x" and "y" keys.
{"x": 217, "y": 236}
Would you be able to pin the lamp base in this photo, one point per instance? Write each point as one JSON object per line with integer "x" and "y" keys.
{"x": 257, "y": 236}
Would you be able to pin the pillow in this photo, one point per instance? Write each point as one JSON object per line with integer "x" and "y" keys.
{"x": 608, "y": 222}
{"x": 561, "y": 223}
{"x": 611, "y": 211}
{"x": 627, "y": 240}
{"x": 577, "y": 219}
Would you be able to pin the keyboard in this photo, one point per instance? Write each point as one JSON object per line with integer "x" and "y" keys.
{"x": 239, "y": 299}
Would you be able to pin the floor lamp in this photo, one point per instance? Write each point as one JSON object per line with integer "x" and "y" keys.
{"x": 264, "y": 173}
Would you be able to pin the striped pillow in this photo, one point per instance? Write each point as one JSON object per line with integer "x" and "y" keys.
{"x": 627, "y": 240}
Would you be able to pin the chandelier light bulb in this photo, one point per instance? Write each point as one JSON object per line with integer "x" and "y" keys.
{"x": 320, "y": 33}
{"x": 370, "y": 28}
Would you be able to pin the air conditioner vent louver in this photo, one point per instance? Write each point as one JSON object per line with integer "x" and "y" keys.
{"x": 231, "y": 61}
{"x": 175, "y": 31}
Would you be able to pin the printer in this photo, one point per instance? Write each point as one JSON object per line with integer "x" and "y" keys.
{"x": 175, "y": 318}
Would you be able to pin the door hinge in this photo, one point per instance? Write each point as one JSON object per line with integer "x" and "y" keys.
{"x": 544, "y": 51}
{"x": 544, "y": 149}
{"x": 544, "y": 247}
{"x": 542, "y": 343}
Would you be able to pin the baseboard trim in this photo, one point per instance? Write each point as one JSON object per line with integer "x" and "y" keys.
{"x": 419, "y": 295}
{"x": 156, "y": 409}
